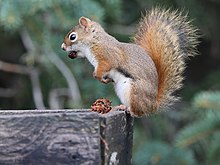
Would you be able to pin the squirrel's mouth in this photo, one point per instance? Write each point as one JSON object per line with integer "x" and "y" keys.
{"x": 72, "y": 54}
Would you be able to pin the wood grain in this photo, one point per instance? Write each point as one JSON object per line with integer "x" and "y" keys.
{"x": 55, "y": 137}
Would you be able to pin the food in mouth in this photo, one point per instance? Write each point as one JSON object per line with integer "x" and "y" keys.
{"x": 72, "y": 54}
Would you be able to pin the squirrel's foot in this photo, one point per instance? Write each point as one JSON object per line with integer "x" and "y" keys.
{"x": 121, "y": 108}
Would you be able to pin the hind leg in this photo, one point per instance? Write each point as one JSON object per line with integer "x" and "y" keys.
{"x": 142, "y": 101}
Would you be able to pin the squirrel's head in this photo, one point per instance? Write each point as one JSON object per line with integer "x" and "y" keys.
{"x": 78, "y": 40}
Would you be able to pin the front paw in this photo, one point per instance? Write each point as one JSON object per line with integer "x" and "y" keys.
{"x": 106, "y": 79}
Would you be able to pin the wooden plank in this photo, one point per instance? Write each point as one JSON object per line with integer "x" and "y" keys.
{"x": 49, "y": 137}
{"x": 116, "y": 138}
{"x": 64, "y": 137}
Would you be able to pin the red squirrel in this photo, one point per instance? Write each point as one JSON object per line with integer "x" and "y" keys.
{"x": 145, "y": 73}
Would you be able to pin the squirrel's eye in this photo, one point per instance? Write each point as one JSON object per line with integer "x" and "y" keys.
{"x": 73, "y": 36}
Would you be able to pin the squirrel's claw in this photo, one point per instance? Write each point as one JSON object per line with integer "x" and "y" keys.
{"x": 104, "y": 79}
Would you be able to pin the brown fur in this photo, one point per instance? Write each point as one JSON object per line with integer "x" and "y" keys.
{"x": 104, "y": 65}
{"x": 169, "y": 39}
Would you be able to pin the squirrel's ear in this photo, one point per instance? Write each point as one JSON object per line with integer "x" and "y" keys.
{"x": 85, "y": 23}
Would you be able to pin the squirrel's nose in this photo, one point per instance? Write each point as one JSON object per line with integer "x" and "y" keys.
{"x": 63, "y": 46}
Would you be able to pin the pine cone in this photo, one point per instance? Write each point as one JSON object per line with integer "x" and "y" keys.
{"x": 102, "y": 105}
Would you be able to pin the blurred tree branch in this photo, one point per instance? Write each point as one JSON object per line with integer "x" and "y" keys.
{"x": 36, "y": 89}
{"x": 34, "y": 76}
{"x": 60, "y": 65}
{"x": 14, "y": 68}
{"x": 71, "y": 81}
{"x": 55, "y": 97}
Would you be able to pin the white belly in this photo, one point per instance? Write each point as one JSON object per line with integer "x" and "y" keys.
{"x": 122, "y": 86}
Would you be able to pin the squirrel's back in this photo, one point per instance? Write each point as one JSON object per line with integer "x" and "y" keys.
{"x": 169, "y": 39}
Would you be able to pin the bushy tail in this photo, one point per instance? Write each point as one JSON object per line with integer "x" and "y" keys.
{"x": 168, "y": 38}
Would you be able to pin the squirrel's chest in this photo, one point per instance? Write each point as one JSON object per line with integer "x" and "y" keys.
{"x": 91, "y": 57}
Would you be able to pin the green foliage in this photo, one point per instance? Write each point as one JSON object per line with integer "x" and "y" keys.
{"x": 59, "y": 13}
{"x": 214, "y": 150}
{"x": 207, "y": 100}
{"x": 198, "y": 130}
{"x": 155, "y": 153}
{"x": 205, "y": 129}
{"x": 207, "y": 19}
{"x": 110, "y": 6}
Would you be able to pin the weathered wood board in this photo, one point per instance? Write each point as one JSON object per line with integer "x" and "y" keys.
{"x": 55, "y": 137}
